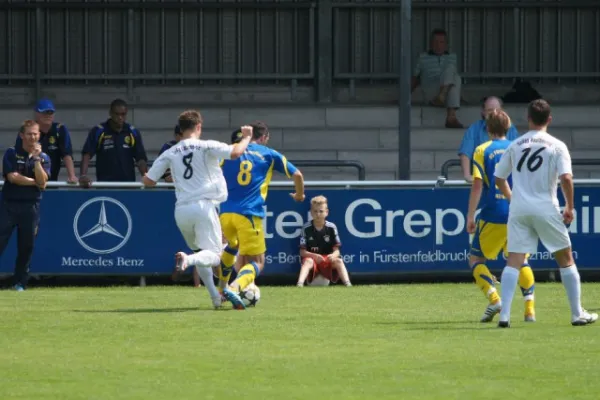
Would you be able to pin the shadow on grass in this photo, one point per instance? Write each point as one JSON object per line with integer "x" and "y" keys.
{"x": 438, "y": 325}
{"x": 146, "y": 310}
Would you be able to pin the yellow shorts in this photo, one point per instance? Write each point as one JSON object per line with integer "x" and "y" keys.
{"x": 244, "y": 232}
{"x": 489, "y": 240}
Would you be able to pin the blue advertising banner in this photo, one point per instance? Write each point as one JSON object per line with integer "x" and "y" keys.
{"x": 392, "y": 231}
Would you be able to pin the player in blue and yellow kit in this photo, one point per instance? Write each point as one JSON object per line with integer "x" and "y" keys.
{"x": 490, "y": 231}
{"x": 242, "y": 213}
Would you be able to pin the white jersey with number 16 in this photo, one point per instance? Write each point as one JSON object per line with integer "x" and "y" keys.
{"x": 195, "y": 169}
{"x": 535, "y": 161}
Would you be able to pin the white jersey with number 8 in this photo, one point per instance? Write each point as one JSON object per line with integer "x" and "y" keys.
{"x": 195, "y": 169}
{"x": 535, "y": 161}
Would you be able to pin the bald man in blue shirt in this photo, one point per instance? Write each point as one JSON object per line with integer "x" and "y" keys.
{"x": 477, "y": 134}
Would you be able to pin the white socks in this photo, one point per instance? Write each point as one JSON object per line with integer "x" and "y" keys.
{"x": 204, "y": 261}
{"x": 204, "y": 258}
{"x": 572, "y": 283}
{"x": 509, "y": 279}
{"x": 206, "y": 275}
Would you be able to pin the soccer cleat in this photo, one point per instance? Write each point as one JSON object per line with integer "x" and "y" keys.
{"x": 503, "y": 324}
{"x": 19, "y": 288}
{"x": 585, "y": 318}
{"x": 529, "y": 318}
{"x": 180, "y": 261}
{"x": 490, "y": 312}
{"x": 234, "y": 298}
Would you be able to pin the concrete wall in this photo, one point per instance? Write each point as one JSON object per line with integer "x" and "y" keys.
{"x": 367, "y": 134}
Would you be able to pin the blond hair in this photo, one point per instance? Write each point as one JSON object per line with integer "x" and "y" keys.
{"x": 318, "y": 201}
{"x": 498, "y": 122}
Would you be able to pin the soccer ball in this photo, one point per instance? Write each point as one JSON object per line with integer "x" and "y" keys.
{"x": 250, "y": 295}
{"x": 319, "y": 280}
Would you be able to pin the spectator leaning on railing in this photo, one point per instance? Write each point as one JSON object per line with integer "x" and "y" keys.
{"x": 55, "y": 140}
{"x": 437, "y": 74}
{"x": 117, "y": 146}
{"x": 477, "y": 134}
{"x": 25, "y": 169}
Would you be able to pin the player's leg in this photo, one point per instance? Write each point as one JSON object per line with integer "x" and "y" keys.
{"x": 527, "y": 285}
{"x": 339, "y": 271}
{"x": 487, "y": 241}
{"x": 522, "y": 239}
{"x": 229, "y": 255}
{"x": 27, "y": 227}
{"x": 253, "y": 247}
{"x": 207, "y": 236}
{"x": 307, "y": 268}
{"x": 554, "y": 235}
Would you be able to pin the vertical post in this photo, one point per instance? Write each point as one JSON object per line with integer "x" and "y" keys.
{"x": 39, "y": 56}
{"x": 404, "y": 89}
{"x": 130, "y": 53}
{"x": 324, "y": 53}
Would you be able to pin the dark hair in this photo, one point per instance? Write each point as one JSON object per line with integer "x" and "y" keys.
{"x": 26, "y": 125}
{"x": 177, "y": 130}
{"x": 259, "y": 129}
{"x": 498, "y": 122}
{"x": 438, "y": 32}
{"x": 538, "y": 112}
{"x": 189, "y": 120}
{"x": 117, "y": 103}
{"x": 236, "y": 136}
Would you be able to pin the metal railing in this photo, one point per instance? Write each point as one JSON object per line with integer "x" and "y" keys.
{"x": 359, "y": 166}
{"x": 318, "y": 43}
{"x": 578, "y": 162}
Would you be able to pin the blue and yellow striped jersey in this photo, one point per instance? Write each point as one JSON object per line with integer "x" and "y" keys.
{"x": 494, "y": 206}
{"x": 248, "y": 179}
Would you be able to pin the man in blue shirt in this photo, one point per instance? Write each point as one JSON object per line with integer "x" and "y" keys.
{"x": 477, "y": 134}
{"x": 55, "y": 140}
{"x": 25, "y": 169}
{"x": 118, "y": 147}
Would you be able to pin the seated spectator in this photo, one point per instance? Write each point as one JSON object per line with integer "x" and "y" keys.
{"x": 478, "y": 134}
{"x": 320, "y": 247}
{"x": 437, "y": 74}
{"x": 118, "y": 147}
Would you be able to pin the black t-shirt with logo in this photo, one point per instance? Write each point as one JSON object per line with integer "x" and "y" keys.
{"x": 323, "y": 241}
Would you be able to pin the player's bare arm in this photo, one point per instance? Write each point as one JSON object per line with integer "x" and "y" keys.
{"x": 566, "y": 184}
{"x": 41, "y": 177}
{"x": 298, "y": 179}
{"x": 307, "y": 254}
{"x": 84, "y": 180}
{"x": 504, "y": 187}
{"x": 474, "y": 197}
{"x": 335, "y": 254}
{"x": 18, "y": 179}
{"x": 240, "y": 147}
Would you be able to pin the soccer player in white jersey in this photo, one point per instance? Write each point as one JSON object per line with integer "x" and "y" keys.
{"x": 199, "y": 187}
{"x": 537, "y": 161}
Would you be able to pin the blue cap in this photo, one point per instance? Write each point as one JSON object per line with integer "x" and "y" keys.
{"x": 236, "y": 136}
{"x": 44, "y": 105}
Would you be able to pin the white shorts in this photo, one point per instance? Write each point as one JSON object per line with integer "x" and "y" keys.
{"x": 199, "y": 225}
{"x": 525, "y": 230}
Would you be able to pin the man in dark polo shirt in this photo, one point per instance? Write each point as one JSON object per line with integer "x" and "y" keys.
{"x": 55, "y": 140}
{"x": 118, "y": 147}
{"x": 25, "y": 169}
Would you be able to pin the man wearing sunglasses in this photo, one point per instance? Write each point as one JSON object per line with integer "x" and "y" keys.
{"x": 55, "y": 140}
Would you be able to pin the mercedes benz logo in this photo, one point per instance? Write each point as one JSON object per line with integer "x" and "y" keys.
{"x": 102, "y": 227}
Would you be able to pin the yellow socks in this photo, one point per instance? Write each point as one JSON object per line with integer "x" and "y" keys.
{"x": 227, "y": 262}
{"x": 527, "y": 284}
{"x": 246, "y": 276}
{"x": 484, "y": 280}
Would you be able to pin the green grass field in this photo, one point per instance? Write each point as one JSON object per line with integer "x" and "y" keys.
{"x": 365, "y": 342}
